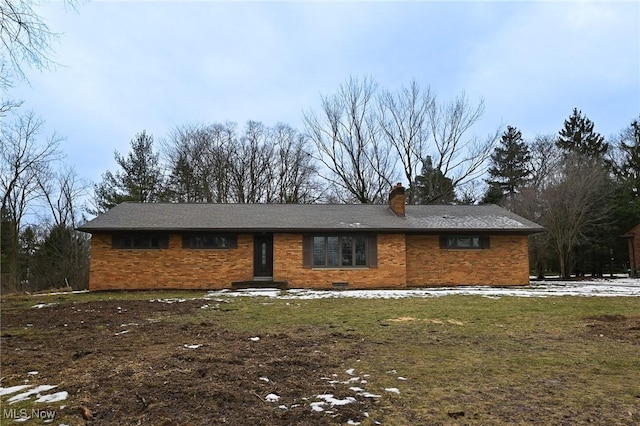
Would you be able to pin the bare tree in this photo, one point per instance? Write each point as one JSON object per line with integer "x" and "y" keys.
{"x": 213, "y": 163}
{"x": 25, "y": 39}
{"x": 61, "y": 192}
{"x": 545, "y": 170}
{"x": 574, "y": 205}
{"x": 249, "y": 166}
{"x": 404, "y": 121}
{"x": 458, "y": 156}
{"x": 198, "y": 157}
{"x": 292, "y": 168}
{"x": 61, "y": 256}
{"x": 349, "y": 143}
{"x": 24, "y": 160}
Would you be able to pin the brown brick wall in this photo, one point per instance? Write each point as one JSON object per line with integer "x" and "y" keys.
{"x": 113, "y": 269}
{"x": 391, "y": 270}
{"x": 410, "y": 261}
{"x": 634, "y": 249}
{"x": 506, "y": 262}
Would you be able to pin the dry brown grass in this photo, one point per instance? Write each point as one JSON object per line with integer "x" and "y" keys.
{"x": 454, "y": 361}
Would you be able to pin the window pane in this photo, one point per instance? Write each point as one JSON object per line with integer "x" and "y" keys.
{"x": 208, "y": 241}
{"x": 140, "y": 241}
{"x": 347, "y": 251}
{"x": 318, "y": 251}
{"x": 333, "y": 248}
{"x": 361, "y": 251}
{"x": 154, "y": 243}
{"x": 464, "y": 242}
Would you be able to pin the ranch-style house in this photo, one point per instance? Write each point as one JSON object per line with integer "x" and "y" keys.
{"x": 364, "y": 246}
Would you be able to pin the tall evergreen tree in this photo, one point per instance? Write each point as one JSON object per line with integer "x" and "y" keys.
{"x": 510, "y": 165}
{"x": 141, "y": 178}
{"x": 493, "y": 195}
{"x": 432, "y": 186}
{"x": 626, "y": 199}
{"x": 578, "y": 136}
{"x": 628, "y": 171}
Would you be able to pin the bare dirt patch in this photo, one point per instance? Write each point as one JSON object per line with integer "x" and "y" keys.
{"x": 125, "y": 362}
{"x": 617, "y": 327}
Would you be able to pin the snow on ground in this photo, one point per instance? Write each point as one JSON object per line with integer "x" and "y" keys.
{"x": 54, "y": 397}
{"x": 195, "y": 346}
{"x": 38, "y": 391}
{"x": 594, "y": 287}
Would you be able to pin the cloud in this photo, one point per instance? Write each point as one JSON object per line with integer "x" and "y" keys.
{"x": 129, "y": 66}
{"x": 546, "y": 58}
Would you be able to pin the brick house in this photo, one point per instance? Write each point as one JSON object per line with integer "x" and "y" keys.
{"x": 213, "y": 246}
{"x": 633, "y": 237}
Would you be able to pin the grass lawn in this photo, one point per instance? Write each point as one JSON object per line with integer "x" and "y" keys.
{"x": 453, "y": 360}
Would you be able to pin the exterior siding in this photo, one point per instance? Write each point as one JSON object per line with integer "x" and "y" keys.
{"x": 506, "y": 262}
{"x": 172, "y": 268}
{"x": 412, "y": 260}
{"x": 634, "y": 251}
{"x": 390, "y": 272}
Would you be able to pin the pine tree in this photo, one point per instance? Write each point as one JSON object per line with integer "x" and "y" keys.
{"x": 432, "y": 186}
{"x": 626, "y": 170}
{"x": 510, "y": 166}
{"x": 494, "y": 194}
{"x": 629, "y": 170}
{"x": 578, "y": 136}
{"x": 141, "y": 178}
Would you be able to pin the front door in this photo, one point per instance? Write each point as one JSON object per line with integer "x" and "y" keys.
{"x": 263, "y": 257}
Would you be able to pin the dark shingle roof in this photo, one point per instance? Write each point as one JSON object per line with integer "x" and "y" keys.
{"x": 306, "y": 218}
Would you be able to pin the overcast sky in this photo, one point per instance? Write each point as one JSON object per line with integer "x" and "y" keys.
{"x": 127, "y": 66}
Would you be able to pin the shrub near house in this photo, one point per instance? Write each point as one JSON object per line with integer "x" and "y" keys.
{"x": 211, "y": 246}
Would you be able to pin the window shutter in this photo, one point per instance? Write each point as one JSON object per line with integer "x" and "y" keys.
{"x": 484, "y": 241}
{"x": 443, "y": 242}
{"x": 307, "y": 251}
{"x": 373, "y": 251}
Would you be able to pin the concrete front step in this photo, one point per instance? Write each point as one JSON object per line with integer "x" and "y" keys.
{"x": 282, "y": 285}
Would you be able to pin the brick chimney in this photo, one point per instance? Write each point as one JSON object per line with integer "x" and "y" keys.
{"x": 396, "y": 200}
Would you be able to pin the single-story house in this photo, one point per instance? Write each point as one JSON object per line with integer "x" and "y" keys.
{"x": 213, "y": 246}
{"x": 633, "y": 237}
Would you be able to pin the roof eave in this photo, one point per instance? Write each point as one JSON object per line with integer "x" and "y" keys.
{"x": 527, "y": 231}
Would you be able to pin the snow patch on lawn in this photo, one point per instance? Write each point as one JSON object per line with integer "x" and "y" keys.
{"x": 272, "y": 397}
{"x": 594, "y": 287}
{"x": 12, "y": 389}
{"x": 54, "y": 397}
{"x": 168, "y": 300}
{"x": 330, "y": 399}
{"x": 43, "y": 305}
{"x": 35, "y": 391}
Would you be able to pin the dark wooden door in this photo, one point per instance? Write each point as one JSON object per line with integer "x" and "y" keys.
{"x": 263, "y": 256}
